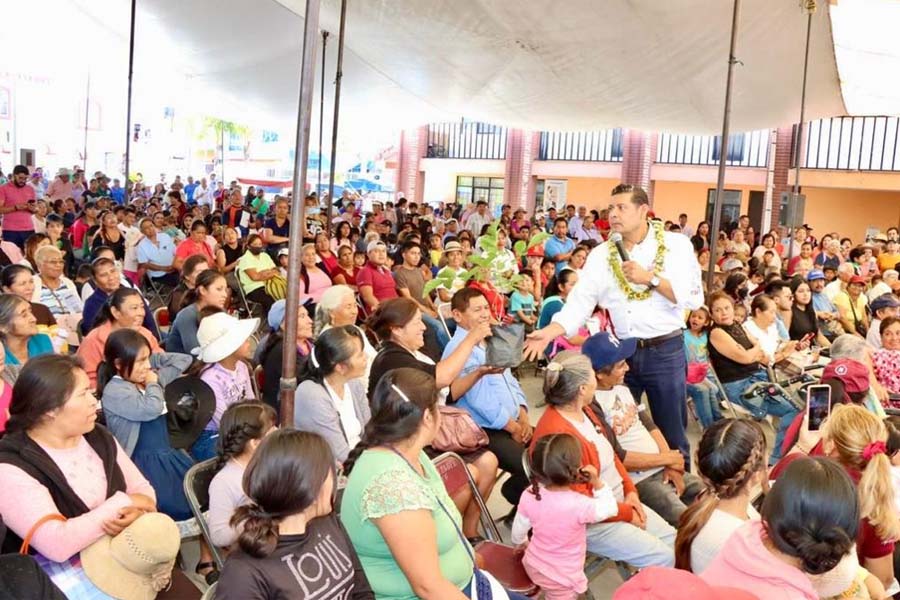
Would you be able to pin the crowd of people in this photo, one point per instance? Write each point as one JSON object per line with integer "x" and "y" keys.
{"x": 120, "y": 302}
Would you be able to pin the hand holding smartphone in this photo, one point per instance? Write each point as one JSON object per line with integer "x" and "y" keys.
{"x": 818, "y": 405}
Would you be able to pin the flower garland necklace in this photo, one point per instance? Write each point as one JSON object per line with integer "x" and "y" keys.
{"x": 615, "y": 264}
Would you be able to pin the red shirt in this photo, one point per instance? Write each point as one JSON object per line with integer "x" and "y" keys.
{"x": 189, "y": 248}
{"x": 380, "y": 279}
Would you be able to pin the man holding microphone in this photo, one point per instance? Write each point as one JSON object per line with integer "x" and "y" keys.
{"x": 646, "y": 279}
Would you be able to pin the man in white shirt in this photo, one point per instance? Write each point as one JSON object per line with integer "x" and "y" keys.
{"x": 656, "y": 470}
{"x": 685, "y": 228}
{"x": 479, "y": 218}
{"x": 844, "y": 273}
{"x": 646, "y": 296}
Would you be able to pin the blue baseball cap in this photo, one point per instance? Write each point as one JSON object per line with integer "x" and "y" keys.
{"x": 276, "y": 314}
{"x": 888, "y": 300}
{"x": 605, "y": 349}
{"x": 815, "y": 274}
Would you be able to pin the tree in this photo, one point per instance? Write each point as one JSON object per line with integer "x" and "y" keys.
{"x": 220, "y": 128}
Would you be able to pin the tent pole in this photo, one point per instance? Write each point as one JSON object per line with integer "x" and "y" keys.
{"x": 723, "y": 151}
{"x": 130, "y": 77}
{"x": 321, "y": 125}
{"x": 288, "y": 382}
{"x": 87, "y": 113}
{"x": 337, "y": 108}
{"x": 795, "y": 189}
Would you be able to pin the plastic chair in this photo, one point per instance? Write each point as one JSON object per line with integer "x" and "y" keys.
{"x": 196, "y": 489}
{"x": 161, "y": 316}
{"x": 500, "y": 560}
{"x": 210, "y": 592}
{"x": 443, "y": 311}
{"x": 259, "y": 380}
{"x": 593, "y": 563}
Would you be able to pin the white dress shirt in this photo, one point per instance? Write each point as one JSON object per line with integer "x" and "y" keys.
{"x": 642, "y": 319}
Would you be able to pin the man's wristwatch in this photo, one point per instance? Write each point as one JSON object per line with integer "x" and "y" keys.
{"x": 654, "y": 282}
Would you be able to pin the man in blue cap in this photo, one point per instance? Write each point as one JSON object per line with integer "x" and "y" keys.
{"x": 657, "y": 470}
{"x": 826, "y": 311}
{"x": 884, "y": 306}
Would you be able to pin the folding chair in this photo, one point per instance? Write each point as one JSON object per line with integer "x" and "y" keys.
{"x": 593, "y": 564}
{"x": 248, "y": 305}
{"x": 443, "y": 311}
{"x": 500, "y": 560}
{"x": 196, "y": 489}
{"x": 158, "y": 292}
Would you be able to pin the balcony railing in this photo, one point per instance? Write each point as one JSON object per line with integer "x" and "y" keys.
{"x": 598, "y": 146}
{"x": 853, "y": 143}
{"x": 749, "y": 149}
{"x": 466, "y": 139}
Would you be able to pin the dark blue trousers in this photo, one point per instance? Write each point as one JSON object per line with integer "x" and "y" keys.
{"x": 661, "y": 371}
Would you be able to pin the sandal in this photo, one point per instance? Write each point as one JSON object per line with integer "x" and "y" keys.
{"x": 212, "y": 575}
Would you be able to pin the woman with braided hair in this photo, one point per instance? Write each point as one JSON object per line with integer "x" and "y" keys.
{"x": 241, "y": 430}
{"x": 291, "y": 544}
{"x": 731, "y": 460}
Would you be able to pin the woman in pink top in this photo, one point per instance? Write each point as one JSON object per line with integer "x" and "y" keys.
{"x": 810, "y": 519}
{"x": 558, "y": 516}
{"x": 314, "y": 280}
{"x": 55, "y": 460}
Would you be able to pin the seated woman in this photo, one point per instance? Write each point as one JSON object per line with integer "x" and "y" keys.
{"x": 57, "y": 292}
{"x": 193, "y": 266}
{"x": 338, "y": 307}
{"x": 856, "y": 439}
{"x": 131, "y": 394}
{"x": 886, "y": 360}
{"x": 241, "y": 430}
{"x": 398, "y": 324}
{"x": 737, "y": 359}
{"x": 395, "y": 507}
{"x": 636, "y": 535}
{"x": 195, "y": 245}
{"x": 254, "y": 269}
{"x": 314, "y": 281}
{"x": 272, "y": 350}
{"x": 107, "y": 279}
{"x": 228, "y": 255}
{"x": 346, "y": 271}
{"x": 803, "y": 316}
{"x": 731, "y": 459}
{"x": 55, "y": 460}
{"x": 19, "y": 280}
{"x": 291, "y": 483}
{"x": 210, "y": 289}
{"x": 761, "y": 327}
{"x": 34, "y": 242}
{"x": 19, "y": 332}
{"x": 331, "y": 398}
{"x": 124, "y": 310}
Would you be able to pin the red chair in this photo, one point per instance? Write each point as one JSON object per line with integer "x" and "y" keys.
{"x": 259, "y": 378}
{"x": 161, "y": 316}
{"x": 500, "y": 560}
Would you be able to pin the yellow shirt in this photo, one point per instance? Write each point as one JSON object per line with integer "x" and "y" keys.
{"x": 887, "y": 261}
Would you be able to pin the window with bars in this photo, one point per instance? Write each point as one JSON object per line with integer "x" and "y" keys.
{"x": 473, "y": 189}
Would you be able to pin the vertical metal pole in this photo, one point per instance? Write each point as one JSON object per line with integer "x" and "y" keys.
{"x": 339, "y": 74}
{"x": 798, "y": 149}
{"x": 130, "y": 76}
{"x": 321, "y": 126}
{"x": 87, "y": 112}
{"x": 723, "y": 150}
{"x": 288, "y": 382}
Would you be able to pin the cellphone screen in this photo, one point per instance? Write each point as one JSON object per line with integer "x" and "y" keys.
{"x": 819, "y": 405}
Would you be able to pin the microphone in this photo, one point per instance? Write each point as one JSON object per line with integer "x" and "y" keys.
{"x": 616, "y": 238}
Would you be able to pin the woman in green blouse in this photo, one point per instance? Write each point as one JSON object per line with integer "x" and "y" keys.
{"x": 403, "y": 525}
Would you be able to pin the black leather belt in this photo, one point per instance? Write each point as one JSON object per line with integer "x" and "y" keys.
{"x": 656, "y": 341}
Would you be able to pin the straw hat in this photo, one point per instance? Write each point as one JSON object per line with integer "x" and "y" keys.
{"x": 220, "y": 335}
{"x": 136, "y": 564}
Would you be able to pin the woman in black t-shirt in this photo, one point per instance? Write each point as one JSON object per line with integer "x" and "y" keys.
{"x": 803, "y": 315}
{"x": 291, "y": 485}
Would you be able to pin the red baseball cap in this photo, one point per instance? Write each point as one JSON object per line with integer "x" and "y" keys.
{"x": 852, "y": 373}
{"x": 659, "y": 583}
{"x": 858, "y": 279}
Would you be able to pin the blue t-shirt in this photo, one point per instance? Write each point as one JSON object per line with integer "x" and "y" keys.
{"x": 696, "y": 347}
{"x": 555, "y": 246}
{"x": 38, "y": 344}
{"x": 519, "y": 301}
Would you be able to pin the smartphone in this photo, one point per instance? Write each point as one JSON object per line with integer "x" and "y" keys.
{"x": 818, "y": 405}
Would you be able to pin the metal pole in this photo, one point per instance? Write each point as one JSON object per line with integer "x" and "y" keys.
{"x": 795, "y": 189}
{"x": 87, "y": 112}
{"x": 723, "y": 150}
{"x": 288, "y": 382}
{"x": 339, "y": 74}
{"x": 321, "y": 126}
{"x": 130, "y": 76}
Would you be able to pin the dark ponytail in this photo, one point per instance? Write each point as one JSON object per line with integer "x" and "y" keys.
{"x": 399, "y": 403}
{"x": 240, "y": 423}
{"x": 333, "y": 347}
{"x": 284, "y": 478}
{"x": 730, "y": 453}
{"x": 555, "y": 460}
{"x": 116, "y": 300}
{"x": 123, "y": 345}
{"x": 204, "y": 279}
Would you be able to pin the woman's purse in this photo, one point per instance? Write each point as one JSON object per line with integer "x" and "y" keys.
{"x": 68, "y": 576}
{"x": 458, "y": 432}
{"x": 696, "y": 371}
{"x": 857, "y": 324}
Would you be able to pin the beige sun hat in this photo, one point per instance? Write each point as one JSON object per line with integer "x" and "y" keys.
{"x": 220, "y": 335}
{"x": 136, "y": 564}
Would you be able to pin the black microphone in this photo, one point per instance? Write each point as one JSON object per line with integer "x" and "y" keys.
{"x": 616, "y": 238}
